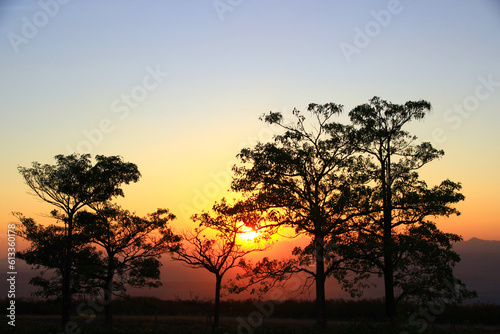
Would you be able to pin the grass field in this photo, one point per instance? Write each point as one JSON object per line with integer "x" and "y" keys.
{"x": 149, "y": 315}
{"x": 31, "y": 324}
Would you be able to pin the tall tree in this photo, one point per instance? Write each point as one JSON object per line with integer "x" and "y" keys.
{"x": 395, "y": 239}
{"x": 132, "y": 247}
{"x": 218, "y": 245}
{"x": 72, "y": 183}
{"x": 309, "y": 180}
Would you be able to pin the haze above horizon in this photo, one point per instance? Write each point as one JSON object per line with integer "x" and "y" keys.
{"x": 177, "y": 88}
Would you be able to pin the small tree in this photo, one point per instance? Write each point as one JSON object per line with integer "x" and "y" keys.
{"x": 71, "y": 184}
{"x": 223, "y": 250}
{"x": 132, "y": 247}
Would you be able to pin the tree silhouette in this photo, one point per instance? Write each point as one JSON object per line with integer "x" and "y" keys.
{"x": 44, "y": 254}
{"x": 307, "y": 179}
{"x": 131, "y": 245}
{"x": 71, "y": 184}
{"x": 395, "y": 239}
{"x": 217, "y": 245}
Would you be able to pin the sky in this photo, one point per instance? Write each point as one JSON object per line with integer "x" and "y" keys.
{"x": 177, "y": 87}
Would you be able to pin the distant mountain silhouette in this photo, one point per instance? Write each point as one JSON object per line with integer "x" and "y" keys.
{"x": 480, "y": 268}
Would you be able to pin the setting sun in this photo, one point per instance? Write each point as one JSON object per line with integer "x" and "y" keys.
{"x": 248, "y": 234}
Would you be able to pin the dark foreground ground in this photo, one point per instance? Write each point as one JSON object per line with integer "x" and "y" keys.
{"x": 148, "y": 315}
{"x": 195, "y": 324}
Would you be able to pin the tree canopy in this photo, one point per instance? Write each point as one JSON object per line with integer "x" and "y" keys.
{"x": 218, "y": 245}
{"x": 131, "y": 248}
{"x": 308, "y": 179}
{"x": 71, "y": 184}
{"x": 396, "y": 239}
{"x": 352, "y": 190}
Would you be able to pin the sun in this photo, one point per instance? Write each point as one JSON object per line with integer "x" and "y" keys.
{"x": 248, "y": 234}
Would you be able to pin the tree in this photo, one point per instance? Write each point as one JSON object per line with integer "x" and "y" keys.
{"x": 395, "y": 239}
{"x": 45, "y": 254}
{"x": 132, "y": 247}
{"x": 223, "y": 250}
{"x": 71, "y": 184}
{"x": 307, "y": 179}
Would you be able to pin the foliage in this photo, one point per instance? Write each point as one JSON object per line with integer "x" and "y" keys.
{"x": 223, "y": 250}
{"x": 132, "y": 245}
{"x": 44, "y": 254}
{"x": 353, "y": 190}
{"x": 72, "y": 183}
{"x": 396, "y": 240}
{"x": 308, "y": 179}
{"x": 128, "y": 254}
{"x": 131, "y": 248}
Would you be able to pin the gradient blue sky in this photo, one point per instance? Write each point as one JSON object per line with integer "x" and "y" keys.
{"x": 224, "y": 70}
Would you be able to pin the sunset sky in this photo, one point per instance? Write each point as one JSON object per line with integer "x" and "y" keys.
{"x": 177, "y": 87}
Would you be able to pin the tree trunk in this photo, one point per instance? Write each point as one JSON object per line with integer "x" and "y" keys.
{"x": 388, "y": 242}
{"x": 390, "y": 306}
{"x": 66, "y": 275}
{"x": 108, "y": 298}
{"x": 320, "y": 282}
{"x": 218, "y": 283}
